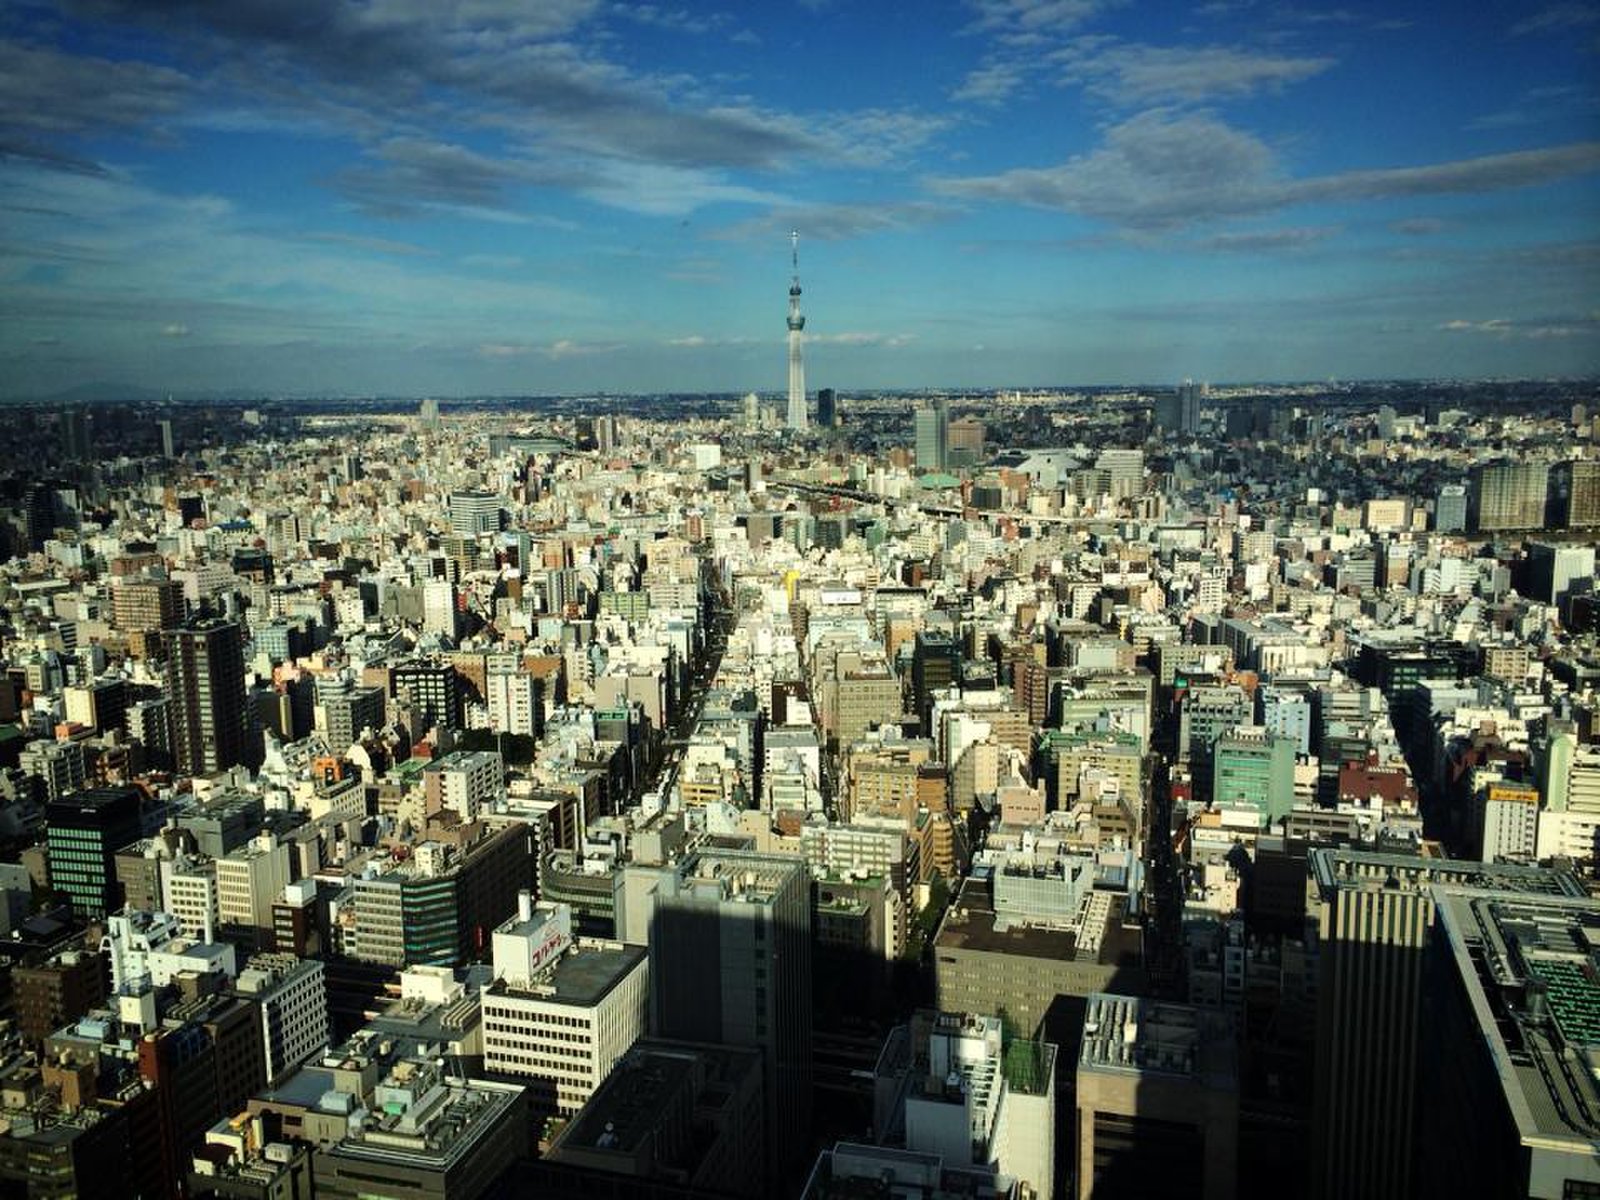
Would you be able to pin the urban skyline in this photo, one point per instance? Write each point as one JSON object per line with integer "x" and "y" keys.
{"x": 305, "y": 198}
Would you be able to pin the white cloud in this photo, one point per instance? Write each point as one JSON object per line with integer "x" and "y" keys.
{"x": 1558, "y": 17}
{"x": 1163, "y": 169}
{"x": 1131, "y": 74}
{"x": 1536, "y": 329}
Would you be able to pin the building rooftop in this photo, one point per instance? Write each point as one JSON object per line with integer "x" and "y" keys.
{"x": 581, "y": 976}
{"x": 1098, "y": 937}
{"x": 1362, "y": 868}
{"x": 1141, "y": 1036}
{"x": 1531, "y": 968}
{"x": 423, "y": 1117}
{"x": 630, "y": 1104}
{"x": 730, "y": 875}
{"x": 855, "y": 1172}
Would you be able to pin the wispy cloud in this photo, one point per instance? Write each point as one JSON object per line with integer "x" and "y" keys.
{"x": 1418, "y": 226}
{"x": 839, "y": 222}
{"x": 995, "y": 82}
{"x": 1130, "y": 74}
{"x": 1266, "y": 241}
{"x": 1538, "y": 328}
{"x": 890, "y": 341}
{"x": 1162, "y": 169}
{"x": 1540, "y": 105}
{"x": 556, "y": 350}
{"x": 1557, "y": 18}
{"x": 568, "y": 116}
{"x": 49, "y": 92}
{"x": 375, "y": 245}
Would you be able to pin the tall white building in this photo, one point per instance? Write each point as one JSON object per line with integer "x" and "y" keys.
{"x": 515, "y": 702}
{"x": 561, "y": 1010}
{"x": 439, "y": 613}
{"x": 293, "y": 998}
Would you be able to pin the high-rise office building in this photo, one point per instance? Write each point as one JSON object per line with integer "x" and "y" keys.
{"x": 730, "y": 963}
{"x": 466, "y": 782}
{"x": 83, "y": 833}
{"x": 1190, "y": 394}
{"x": 74, "y": 434}
{"x": 516, "y": 701}
{"x": 1556, "y": 570}
{"x": 1513, "y": 1102}
{"x": 827, "y": 408}
{"x": 935, "y": 664}
{"x": 212, "y": 727}
{"x": 932, "y": 422}
{"x": 249, "y": 879}
{"x": 1508, "y": 495}
{"x": 347, "y": 710}
{"x": 293, "y": 999}
{"x": 1124, "y": 472}
{"x": 146, "y": 605}
{"x": 1450, "y": 512}
{"x": 472, "y": 513}
{"x": 1375, "y": 917}
{"x": 169, "y": 447}
{"x": 964, "y": 442}
{"x": 57, "y": 768}
{"x": 434, "y": 688}
{"x": 1579, "y": 482}
{"x": 1166, "y": 412}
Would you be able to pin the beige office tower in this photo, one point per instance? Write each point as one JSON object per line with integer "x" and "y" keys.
{"x": 1375, "y": 917}
{"x": 1372, "y": 937}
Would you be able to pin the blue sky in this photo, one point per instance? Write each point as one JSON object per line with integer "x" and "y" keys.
{"x": 515, "y": 196}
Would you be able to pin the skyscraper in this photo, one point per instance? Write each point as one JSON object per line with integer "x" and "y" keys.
{"x": 211, "y": 726}
{"x": 74, "y": 434}
{"x": 1509, "y": 495}
{"x": 168, "y": 447}
{"x": 1376, "y": 919}
{"x": 1450, "y": 513}
{"x": 827, "y": 408}
{"x": 797, "y": 324}
{"x": 83, "y": 833}
{"x": 730, "y": 963}
{"x": 933, "y": 435}
{"x": 472, "y": 513}
{"x": 1577, "y": 485}
{"x": 1189, "y": 395}
{"x": 1512, "y": 1104}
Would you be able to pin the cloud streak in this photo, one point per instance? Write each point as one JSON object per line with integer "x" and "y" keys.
{"x": 1162, "y": 169}
{"x": 1132, "y": 75}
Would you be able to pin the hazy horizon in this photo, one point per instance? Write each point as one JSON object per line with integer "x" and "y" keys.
{"x": 309, "y": 198}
